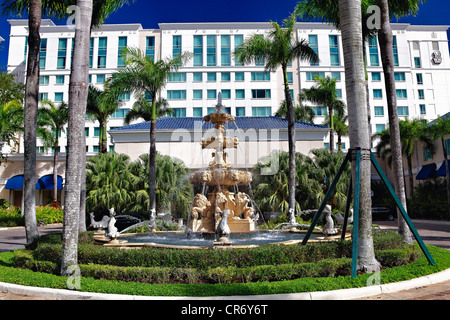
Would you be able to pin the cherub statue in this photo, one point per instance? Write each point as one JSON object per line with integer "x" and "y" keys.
{"x": 112, "y": 231}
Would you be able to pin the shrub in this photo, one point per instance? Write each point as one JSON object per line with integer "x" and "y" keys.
{"x": 11, "y": 217}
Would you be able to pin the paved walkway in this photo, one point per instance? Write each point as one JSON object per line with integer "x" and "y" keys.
{"x": 436, "y": 233}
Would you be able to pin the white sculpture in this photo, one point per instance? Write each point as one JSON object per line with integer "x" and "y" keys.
{"x": 99, "y": 225}
{"x": 112, "y": 231}
{"x": 340, "y": 219}
{"x": 328, "y": 228}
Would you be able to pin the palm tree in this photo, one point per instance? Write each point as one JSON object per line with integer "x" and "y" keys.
{"x": 109, "y": 182}
{"x": 143, "y": 109}
{"x": 174, "y": 191}
{"x": 324, "y": 93}
{"x": 302, "y": 112}
{"x": 51, "y": 122}
{"x": 278, "y": 49}
{"x": 143, "y": 76}
{"x": 352, "y": 41}
{"x": 11, "y": 121}
{"x": 410, "y": 133}
{"x": 340, "y": 126}
{"x": 100, "y": 106}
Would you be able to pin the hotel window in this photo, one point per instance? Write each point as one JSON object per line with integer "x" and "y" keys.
{"x": 261, "y": 94}
{"x": 401, "y": 94}
{"x": 225, "y": 51}
{"x": 59, "y": 80}
{"x": 96, "y": 149}
{"x": 239, "y": 76}
{"x": 259, "y": 61}
{"x": 198, "y": 112}
{"x": 86, "y": 131}
{"x": 43, "y": 96}
{"x": 102, "y": 49}
{"x": 396, "y": 61}
{"x": 91, "y": 53}
{"x": 310, "y": 76}
{"x": 176, "y": 94}
{"x": 334, "y": 51}
{"x": 240, "y": 111}
{"x": 42, "y": 54}
{"x": 71, "y": 52}
{"x": 403, "y": 111}
{"x": 176, "y": 77}
{"x": 419, "y": 78}
{"x": 290, "y": 78}
{"x": 336, "y": 76}
{"x": 197, "y": 95}
{"x": 150, "y": 47}
{"x": 379, "y": 127}
{"x": 417, "y": 63}
{"x": 225, "y": 77}
{"x": 260, "y": 76}
{"x": 339, "y": 93}
{"x": 44, "y": 80}
{"x": 261, "y": 111}
{"x": 211, "y": 76}
{"x": 197, "y": 77}
{"x": 421, "y": 94}
{"x": 179, "y": 112}
{"x": 26, "y": 50}
{"x": 238, "y": 40}
{"x": 226, "y": 94}
{"x": 376, "y": 76}
{"x": 211, "y": 94}
{"x": 427, "y": 155}
{"x": 62, "y": 53}
{"x": 423, "y": 109}
{"x": 124, "y": 96}
{"x": 123, "y": 42}
{"x": 240, "y": 94}
{"x": 210, "y": 51}
{"x": 314, "y": 44}
{"x": 399, "y": 76}
{"x": 101, "y": 78}
{"x": 198, "y": 51}
{"x": 377, "y": 93}
{"x": 320, "y": 111}
{"x": 176, "y": 46}
{"x": 59, "y": 97}
{"x": 96, "y": 132}
{"x": 373, "y": 52}
{"x": 379, "y": 111}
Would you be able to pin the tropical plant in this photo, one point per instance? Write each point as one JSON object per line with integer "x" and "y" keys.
{"x": 109, "y": 182}
{"x": 10, "y": 89}
{"x": 11, "y": 121}
{"x": 141, "y": 75}
{"x": 278, "y": 49}
{"x": 324, "y": 93}
{"x": 439, "y": 130}
{"x": 410, "y": 133}
{"x": 100, "y": 106}
{"x": 340, "y": 126}
{"x": 302, "y": 112}
{"x": 51, "y": 122}
{"x": 173, "y": 190}
{"x": 143, "y": 109}
{"x": 352, "y": 42}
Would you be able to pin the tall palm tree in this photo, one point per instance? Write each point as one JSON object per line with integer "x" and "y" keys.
{"x": 302, "y": 112}
{"x": 324, "y": 93}
{"x": 440, "y": 129}
{"x": 143, "y": 109}
{"x": 340, "y": 126}
{"x": 352, "y": 41}
{"x": 278, "y": 49}
{"x": 100, "y": 106}
{"x": 51, "y": 122}
{"x": 143, "y": 76}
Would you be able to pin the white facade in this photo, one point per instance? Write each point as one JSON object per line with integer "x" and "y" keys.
{"x": 422, "y": 83}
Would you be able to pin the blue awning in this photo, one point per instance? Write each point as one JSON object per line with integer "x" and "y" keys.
{"x": 441, "y": 171}
{"x": 428, "y": 171}
{"x": 46, "y": 182}
{"x": 16, "y": 183}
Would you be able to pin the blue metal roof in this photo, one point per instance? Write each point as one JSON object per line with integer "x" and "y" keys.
{"x": 243, "y": 123}
{"x": 427, "y": 171}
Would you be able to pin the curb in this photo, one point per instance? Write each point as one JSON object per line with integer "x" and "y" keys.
{"x": 344, "y": 294}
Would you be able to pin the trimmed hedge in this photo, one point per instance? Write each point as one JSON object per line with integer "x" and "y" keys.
{"x": 11, "y": 217}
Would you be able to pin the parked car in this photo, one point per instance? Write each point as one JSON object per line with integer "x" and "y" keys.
{"x": 383, "y": 213}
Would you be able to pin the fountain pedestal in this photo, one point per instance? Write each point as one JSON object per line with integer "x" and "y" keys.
{"x": 205, "y": 215}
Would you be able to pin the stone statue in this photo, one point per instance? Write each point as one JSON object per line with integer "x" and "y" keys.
{"x": 99, "y": 225}
{"x": 200, "y": 207}
{"x": 241, "y": 206}
{"x": 112, "y": 231}
{"x": 328, "y": 228}
{"x": 223, "y": 230}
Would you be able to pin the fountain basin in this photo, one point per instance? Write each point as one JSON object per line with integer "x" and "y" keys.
{"x": 179, "y": 239}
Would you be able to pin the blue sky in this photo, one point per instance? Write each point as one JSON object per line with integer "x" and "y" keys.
{"x": 150, "y": 13}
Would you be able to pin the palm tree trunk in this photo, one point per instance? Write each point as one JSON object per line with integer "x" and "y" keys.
{"x": 82, "y": 226}
{"x": 351, "y": 27}
{"x": 152, "y": 175}
{"x": 386, "y": 40}
{"x": 291, "y": 133}
{"x": 78, "y": 90}
{"x": 55, "y": 173}
{"x": 330, "y": 115}
{"x": 30, "y": 121}
{"x": 447, "y": 173}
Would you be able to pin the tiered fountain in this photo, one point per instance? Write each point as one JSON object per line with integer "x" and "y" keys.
{"x": 221, "y": 211}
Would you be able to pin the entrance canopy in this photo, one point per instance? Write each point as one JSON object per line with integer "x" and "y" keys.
{"x": 46, "y": 182}
{"x": 441, "y": 172}
{"x": 428, "y": 171}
